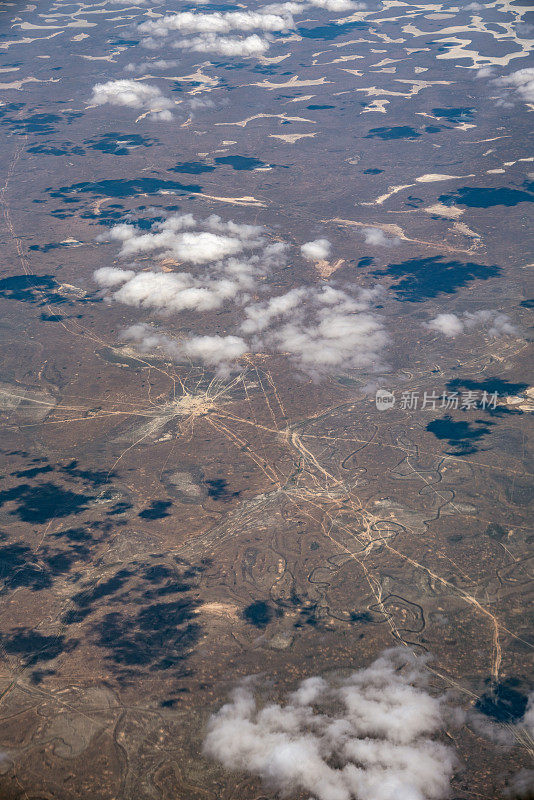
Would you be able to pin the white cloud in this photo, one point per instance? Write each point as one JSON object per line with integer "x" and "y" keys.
{"x": 246, "y": 47}
{"x": 522, "y": 81}
{"x": 173, "y": 239}
{"x": 316, "y": 250}
{"x": 214, "y": 351}
{"x": 485, "y": 72}
{"x": 148, "y": 339}
{"x": 133, "y": 94}
{"x": 338, "y": 5}
{"x": 377, "y": 238}
{"x": 212, "y": 29}
{"x": 321, "y": 330}
{"x": 174, "y": 292}
{"x": 227, "y": 272}
{"x": 111, "y": 276}
{"x": 496, "y": 323}
{"x": 522, "y": 785}
{"x": 528, "y": 718}
{"x": 145, "y": 66}
{"x": 448, "y": 324}
{"x": 260, "y": 315}
{"x": 216, "y": 22}
{"x": 378, "y": 746}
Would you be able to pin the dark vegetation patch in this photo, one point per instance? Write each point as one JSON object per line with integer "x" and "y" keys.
{"x": 420, "y": 278}
{"x": 396, "y": 132}
{"x": 459, "y": 434}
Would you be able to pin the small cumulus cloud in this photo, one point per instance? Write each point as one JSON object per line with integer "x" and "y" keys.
{"x": 220, "y": 352}
{"x": 173, "y": 238}
{"x": 316, "y": 250}
{"x": 451, "y": 325}
{"x": 246, "y": 47}
{"x": 370, "y": 735}
{"x": 133, "y": 94}
{"x": 485, "y": 72}
{"x": 448, "y": 324}
{"x": 183, "y": 264}
{"x": 335, "y": 6}
{"x": 216, "y": 22}
{"x": 521, "y": 81}
{"x": 321, "y": 330}
{"x": 232, "y": 258}
{"x": 145, "y": 66}
{"x": 521, "y": 786}
{"x": 377, "y": 238}
{"x": 211, "y": 31}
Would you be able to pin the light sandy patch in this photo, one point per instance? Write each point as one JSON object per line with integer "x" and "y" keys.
{"x": 339, "y": 60}
{"x": 448, "y": 212}
{"x": 229, "y": 141}
{"x": 9, "y": 69}
{"x": 390, "y": 192}
{"x": 432, "y": 177}
{"x": 291, "y": 138}
{"x": 356, "y": 72}
{"x": 396, "y": 230}
{"x": 246, "y": 200}
{"x": 418, "y": 70}
{"x": 97, "y": 205}
{"x": 464, "y": 126}
{"x": 356, "y": 16}
{"x": 28, "y": 40}
{"x": 151, "y": 111}
{"x": 525, "y": 403}
{"x": 507, "y": 31}
{"x": 292, "y": 83}
{"x": 461, "y": 227}
{"x": 386, "y": 61}
{"x": 388, "y": 70}
{"x": 376, "y": 105}
{"x": 273, "y": 59}
{"x": 416, "y": 87}
{"x": 460, "y": 50}
{"x": 495, "y": 171}
{"x": 242, "y": 123}
{"x": 30, "y": 403}
{"x": 80, "y": 37}
{"x": 326, "y": 268}
{"x": 219, "y": 610}
{"x": 303, "y": 98}
{"x": 31, "y": 79}
{"x": 109, "y": 58}
{"x": 346, "y": 44}
{"x": 28, "y": 26}
{"x": 195, "y": 77}
{"x": 493, "y": 139}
